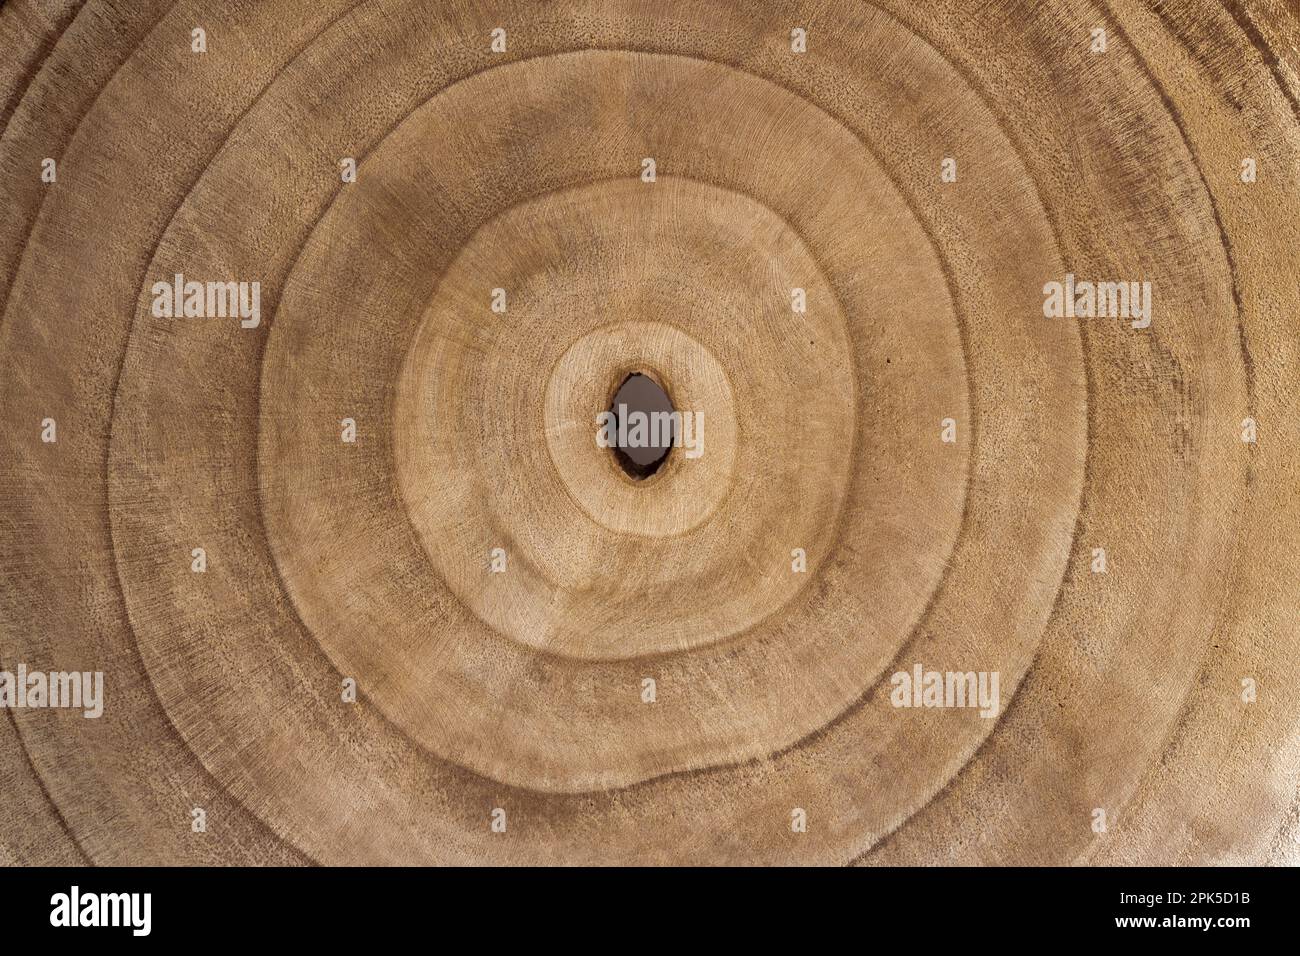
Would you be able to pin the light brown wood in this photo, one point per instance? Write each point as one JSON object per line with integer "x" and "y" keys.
{"x": 524, "y": 690}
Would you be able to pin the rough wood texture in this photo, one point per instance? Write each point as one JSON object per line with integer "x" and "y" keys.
{"x": 523, "y": 690}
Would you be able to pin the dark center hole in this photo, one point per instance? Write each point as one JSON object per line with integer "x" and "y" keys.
{"x": 645, "y": 433}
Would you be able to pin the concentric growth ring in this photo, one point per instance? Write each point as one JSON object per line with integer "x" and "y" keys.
{"x": 366, "y": 584}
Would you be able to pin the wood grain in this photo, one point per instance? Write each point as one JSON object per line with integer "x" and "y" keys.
{"x": 524, "y": 690}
